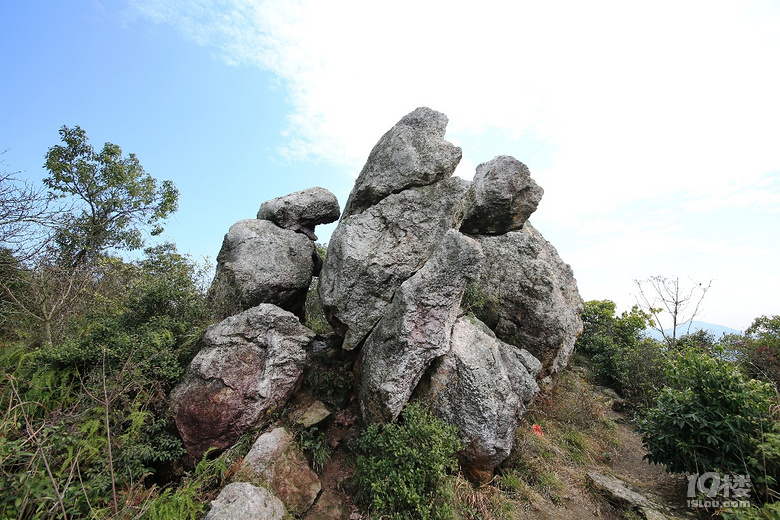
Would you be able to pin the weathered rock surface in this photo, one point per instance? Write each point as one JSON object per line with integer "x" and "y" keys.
{"x": 262, "y": 263}
{"x": 248, "y": 364}
{"x": 616, "y": 491}
{"x": 371, "y": 253}
{"x": 481, "y": 386}
{"x": 276, "y": 460}
{"x": 412, "y": 153}
{"x": 302, "y": 210}
{"x": 533, "y": 296}
{"x": 416, "y": 328}
{"x": 505, "y": 196}
{"x": 244, "y": 501}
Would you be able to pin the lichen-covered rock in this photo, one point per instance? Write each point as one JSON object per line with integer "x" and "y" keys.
{"x": 248, "y": 365}
{"x": 505, "y": 195}
{"x": 481, "y": 386}
{"x": 302, "y": 210}
{"x": 244, "y": 501}
{"x": 412, "y": 153}
{"x": 532, "y": 296}
{"x": 416, "y": 328}
{"x": 262, "y": 263}
{"x": 276, "y": 460}
{"x": 371, "y": 253}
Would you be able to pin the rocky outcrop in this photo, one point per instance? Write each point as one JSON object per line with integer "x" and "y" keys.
{"x": 533, "y": 301}
{"x": 262, "y": 263}
{"x": 415, "y": 328}
{"x": 372, "y": 253}
{"x": 276, "y": 460}
{"x": 244, "y": 501}
{"x": 412, "y": 153}
{"x": 505, "y": 195}
{"x": 248, "y": 365}
{"x": 302, "y": 211}
{"x": 412, "y": 239}
{"x": 481, "y": 386}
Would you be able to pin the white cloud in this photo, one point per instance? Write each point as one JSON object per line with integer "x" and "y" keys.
{"x": 669, "y": 102}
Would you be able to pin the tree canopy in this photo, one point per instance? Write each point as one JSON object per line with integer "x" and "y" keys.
{"x": 115, "y": 199}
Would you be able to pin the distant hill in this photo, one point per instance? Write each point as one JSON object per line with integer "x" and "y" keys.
{"x": 717, "y": 330}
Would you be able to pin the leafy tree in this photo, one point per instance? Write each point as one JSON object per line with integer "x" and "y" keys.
{"x": 659, "y": 294}
{"x": 115, "y": 199}
{"x": 109, "y": 202}
{"x": 762, "y": 349}
{"x": 617, "y": 346}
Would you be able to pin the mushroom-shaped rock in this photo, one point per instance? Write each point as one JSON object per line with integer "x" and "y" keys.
{"x": 248, "y": 364}
{"x": 244, "y": 501}
{"x": 262, "y": 263}
{"x": 302, "y": 211}
{"x": 276, "y": 460}
{"x": 481, "y": 386}
{"x": 416, "y": 328}
{"x": 371, "y": 253}
{"x": 505, "y": 195}
{"x": 533, "y": 296}
{"x": 412, "y": 153}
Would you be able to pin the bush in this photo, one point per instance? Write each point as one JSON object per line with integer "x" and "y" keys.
{"x": 709, "y": 418}
{"x": 402, "y": 466}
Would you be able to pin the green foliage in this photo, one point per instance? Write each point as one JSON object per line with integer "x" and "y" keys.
{"x": 761, "y": 349}
{"x": 315, "y": 446}
{"x": 87, "y": 420}
{"x": 622, "y": 356}
{"x": 709, "y": 418}
{"x": 485, "y": 306}
{"x": 315, "y": 317}
{"x": 114, "y": 198}
{"x": 402, "y": 466}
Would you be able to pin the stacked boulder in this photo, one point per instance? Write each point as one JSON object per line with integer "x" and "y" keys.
{"x": 410, "y": 241}
{"x": 252, "y": 362}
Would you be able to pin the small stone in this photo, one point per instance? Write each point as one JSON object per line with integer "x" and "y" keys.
{"x": 314, "y": 414}
{"x": 244, "y": 501}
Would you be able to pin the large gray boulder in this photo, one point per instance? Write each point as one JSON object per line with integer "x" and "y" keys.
{"x": 371, "y": 253}
{"x": 262, "y": 263}
{"x": 244, "y": 501}
{"x": 415, "y": 328}
{"x": 276, "y": 460}
{"x": 412, "y": 153}
{"x": 248, "y": 365}
{"x": 505, "y": 196}
{"x": 302, "y": 210}
{"x": 532, "y": 296}
{"x": 481, "y": 386}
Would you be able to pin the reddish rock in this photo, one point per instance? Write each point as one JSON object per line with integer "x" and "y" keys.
{"x": 276, "y": 460}
{"x": 248, "y": 366}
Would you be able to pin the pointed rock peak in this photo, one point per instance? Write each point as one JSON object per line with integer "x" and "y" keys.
{"x": 412, "y": 153}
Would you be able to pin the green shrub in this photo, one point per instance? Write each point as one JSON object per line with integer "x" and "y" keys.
{"x": 709, "y": 418}
{"x": 402, "y": 466}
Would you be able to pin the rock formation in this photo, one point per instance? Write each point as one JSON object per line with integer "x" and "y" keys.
{"x": 416, "y": 327}
{"x": 411, "y": 241}
{"x": 248, "y": 365}
{"x": 481, "y": 386}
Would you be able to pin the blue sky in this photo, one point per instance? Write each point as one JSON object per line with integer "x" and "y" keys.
{"x": 654, "y": 128}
